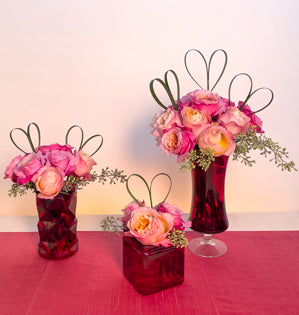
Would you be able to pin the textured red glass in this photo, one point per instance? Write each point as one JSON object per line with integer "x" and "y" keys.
{"x": 208, "y": 213}
{"x": 57, "y": 226}
{"x": 152, "y": 268}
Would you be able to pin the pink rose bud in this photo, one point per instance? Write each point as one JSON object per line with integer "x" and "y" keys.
{"x": 164, "y": 120}
{"x": 254, "y": 120}
{"x": 27, "y": 167}
{"x": 212, "y": 102}
{"x": 84, "y": 164}
{"x": 9, "y": 172}
{"x": 178, "y": 141}
{"x": 47, "y": 148}
{"x": 234, "y": 121}
{"x": 178, "y": 215}
{"x": 62, "y": 159}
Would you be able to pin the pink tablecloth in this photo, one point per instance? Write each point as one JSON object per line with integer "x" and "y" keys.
{"x": 258, "y": 275}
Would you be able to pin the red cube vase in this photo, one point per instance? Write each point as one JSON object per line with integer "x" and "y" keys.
{"x": 152, "y": 268}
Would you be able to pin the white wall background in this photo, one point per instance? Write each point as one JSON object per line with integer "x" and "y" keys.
{"x": 90, "y": 62}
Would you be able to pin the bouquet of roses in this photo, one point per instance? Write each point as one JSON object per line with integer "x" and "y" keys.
{"x": 203, "y": 125}
{"x": 53, "y": 169}
{"x": 160, "y": 225}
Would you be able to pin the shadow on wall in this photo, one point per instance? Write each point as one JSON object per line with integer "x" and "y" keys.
{"x": 142, "y": 143}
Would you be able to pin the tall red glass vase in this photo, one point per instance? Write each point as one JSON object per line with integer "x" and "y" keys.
{"x": 57, "y": 226}
{"x": 208, "y": 214}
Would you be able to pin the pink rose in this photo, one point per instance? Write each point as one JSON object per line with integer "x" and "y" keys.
{"x": 218, "y": 139}
{"x": 212, "y": 102}
{"x": 234, "y": 120}
{"x": 178, "y": 215}
{"x": 192, "y": 117}
{"x": 150, "y": 227}
{"x": 178, "y": 141}
{"x": 128, "y": 211}
{"x": 84, "y": 164}
{"x": 47, "y": 148}
{"x": 62, "y": 159}
{"x": 9, "y": 172}
{"x": 48, "y": 181}
{"x": 164, "y": 120}
{"x": 27, "y": 167}
{"x": 254, "y": 120}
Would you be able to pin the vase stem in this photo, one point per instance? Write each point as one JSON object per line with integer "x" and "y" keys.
{"x": 207, "y": 239}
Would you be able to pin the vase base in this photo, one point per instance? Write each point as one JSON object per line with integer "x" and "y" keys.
{"x": 207, "y": 247}
{"x": 56, "y": 253}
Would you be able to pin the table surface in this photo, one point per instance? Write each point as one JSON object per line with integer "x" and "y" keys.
{"x": 258, "y": 275}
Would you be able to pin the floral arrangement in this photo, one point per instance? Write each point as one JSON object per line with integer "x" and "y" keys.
{"x": 53, "y": 169}
{"x": 161, "y": 225}
{"x": 203, "y": 125}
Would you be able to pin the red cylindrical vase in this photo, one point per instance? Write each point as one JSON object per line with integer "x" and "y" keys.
{"x": 57, "y": 226}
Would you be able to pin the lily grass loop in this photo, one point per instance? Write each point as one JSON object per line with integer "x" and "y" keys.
{"x": 82, "y": 144}
{"x": 148, "y": 187}
{"x": 27, "y": 135}
{"x": 165, "y": 85}
{"x": 250, "y": 93}
{"x": 207, "y": 66}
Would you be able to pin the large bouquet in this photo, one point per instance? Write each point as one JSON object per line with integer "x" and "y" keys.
{"x": 160, "y": 225}
{"x": 203, "y": 125}
{"x": 53, "y": 169}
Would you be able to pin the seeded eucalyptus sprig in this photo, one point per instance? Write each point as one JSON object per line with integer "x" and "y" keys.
{"x": 244, "y": 144}
{"x": 73, "y": 182}
{"x": 178, "y": 238}
{"x": 251, "y": 141}
{"x": 16, "y": 190}
{"x": 201, "y": 157}
{"x": 112, "y": 175}
{"x": 112, "y": 224}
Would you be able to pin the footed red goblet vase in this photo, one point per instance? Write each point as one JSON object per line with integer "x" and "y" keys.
{"x": 208, "y": 215}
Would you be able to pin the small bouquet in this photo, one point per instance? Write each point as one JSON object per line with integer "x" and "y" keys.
{"x": 203, "y": 125}
{"x": 161, "y": 225}
{"x": 55, "y": 169}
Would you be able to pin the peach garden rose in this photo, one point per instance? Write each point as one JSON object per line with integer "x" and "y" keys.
{"x": 148, "y": 226}
{"x": 49, "y": 181}
{"x": 194, "y": 118}
{"x": 218, "y": 139}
